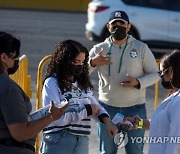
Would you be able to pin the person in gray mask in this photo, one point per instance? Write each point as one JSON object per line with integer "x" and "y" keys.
{"x": 165, "y": 124}
{"x": 126, "y": 67}
{"x": 17, "y": 133}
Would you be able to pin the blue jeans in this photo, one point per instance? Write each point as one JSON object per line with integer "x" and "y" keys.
{"x": 107, "y": 145}
{"x": 64, "y": 143}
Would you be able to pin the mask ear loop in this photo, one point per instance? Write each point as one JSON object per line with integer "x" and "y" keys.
{"x": 171, "y": 76}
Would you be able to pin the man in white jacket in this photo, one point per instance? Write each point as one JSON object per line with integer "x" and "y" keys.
{"x": 126, "y": 66}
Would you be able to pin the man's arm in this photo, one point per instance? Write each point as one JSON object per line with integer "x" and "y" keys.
{"x": 150, "y": 69}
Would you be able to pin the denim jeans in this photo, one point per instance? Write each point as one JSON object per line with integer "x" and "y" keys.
{"x": 64, "y": 143}
{"x": 107, "y": 145}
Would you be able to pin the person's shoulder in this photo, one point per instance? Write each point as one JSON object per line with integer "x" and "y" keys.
{"x": 103, "y": 44}
{"x": 6, "y": 83}
{"x": 5, "y": 80}
{"x": 50, "y": 80}
{"x": 175, "y": 101}
{"x": 136, "y": 41}
{"x": 176, "y": 97}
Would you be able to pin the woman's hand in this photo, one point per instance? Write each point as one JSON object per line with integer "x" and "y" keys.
{"x": 27, "y": 130}
{"x": 110, "y": 127}
{"x": 127, "y": 125}
{"x": 131, "y": 119}
{"x": 56, "y": 112}
{"x": 145, "y": 123}
{"x": 95, "y": 109}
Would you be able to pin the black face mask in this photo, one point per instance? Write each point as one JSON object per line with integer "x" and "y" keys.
{"x": 14, "y": 68}
{"x": 166, "y": 84}
{"x": 118, "y": 32}
{"x": 76, "y": 70}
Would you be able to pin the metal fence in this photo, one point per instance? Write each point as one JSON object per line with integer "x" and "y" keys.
{"x": 39, "y": 92}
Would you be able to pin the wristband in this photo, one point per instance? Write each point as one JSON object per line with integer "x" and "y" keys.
{"x": 140, "y": 124}
{"x": 91, "y": 64}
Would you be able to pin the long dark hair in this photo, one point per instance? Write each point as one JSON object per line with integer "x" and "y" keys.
{"x": 9, "y": 45}
{"x": 60, "y": 65}
{"x": 172, "y": 60}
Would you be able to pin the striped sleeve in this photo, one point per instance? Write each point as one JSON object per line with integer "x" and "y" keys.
{"x": 103, "y": 113}
{"x": 74, "y": 113}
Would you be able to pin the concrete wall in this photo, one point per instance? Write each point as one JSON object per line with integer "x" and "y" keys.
{"x": 62, "y": 5}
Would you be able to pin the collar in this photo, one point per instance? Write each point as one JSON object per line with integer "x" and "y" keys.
{"x": 176, "y": 93}
{"x": 109, "y": 41}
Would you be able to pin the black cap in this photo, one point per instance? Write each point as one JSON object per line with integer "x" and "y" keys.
{"x": 119, "y": 15}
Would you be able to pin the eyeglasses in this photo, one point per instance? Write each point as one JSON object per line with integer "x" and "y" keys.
{"x": 12, "y": 56}
{"x": 163, "y": 71}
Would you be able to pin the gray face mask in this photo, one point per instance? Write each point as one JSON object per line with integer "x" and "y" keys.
{"x": 14, "y": 68}
{"x": 118, "y": 32}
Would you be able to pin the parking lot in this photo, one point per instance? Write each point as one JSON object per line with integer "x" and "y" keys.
{"x": 40, "y": 31}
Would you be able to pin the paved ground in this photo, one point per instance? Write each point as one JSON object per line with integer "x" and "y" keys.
{"x": 40, "y": 31}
